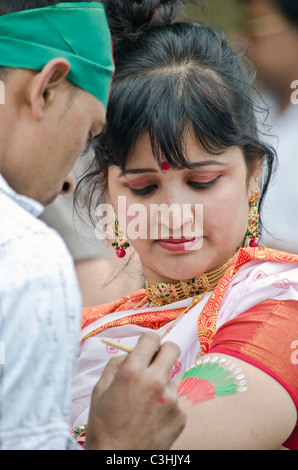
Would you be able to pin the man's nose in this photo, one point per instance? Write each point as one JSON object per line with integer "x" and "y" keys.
{"x": 69, "y": 184}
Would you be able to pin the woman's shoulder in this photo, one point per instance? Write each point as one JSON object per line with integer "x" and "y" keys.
{"x": 260, "y": 254}
{"x": 264, "y": 253}
{"x": 128, "y": 302}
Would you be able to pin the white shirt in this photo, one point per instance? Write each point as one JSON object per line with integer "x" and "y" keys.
{"x": 280, "y": 210}
{"x": 40, "y": 311}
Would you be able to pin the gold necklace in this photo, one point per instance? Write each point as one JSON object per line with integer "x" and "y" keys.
{"x": 213, "y": 278}
{"x": 163, "y": 294}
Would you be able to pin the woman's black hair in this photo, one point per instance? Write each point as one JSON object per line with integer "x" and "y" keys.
{"x": 170, "y": 76}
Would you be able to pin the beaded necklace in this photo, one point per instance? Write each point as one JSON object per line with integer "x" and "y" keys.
{"x": 163, "y": 294}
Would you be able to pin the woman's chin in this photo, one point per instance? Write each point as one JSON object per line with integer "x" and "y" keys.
{"x": 173, "y": 274}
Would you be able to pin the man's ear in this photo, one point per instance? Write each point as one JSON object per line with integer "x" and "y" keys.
{"x": 41, "y": 89}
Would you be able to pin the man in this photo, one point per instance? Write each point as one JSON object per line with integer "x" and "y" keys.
{"x": 56, "y": 65}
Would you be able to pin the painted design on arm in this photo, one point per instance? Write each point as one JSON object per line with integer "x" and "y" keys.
{"x": 211, "y": 377}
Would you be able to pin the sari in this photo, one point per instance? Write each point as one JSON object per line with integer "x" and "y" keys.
{"x": 251, "y": 314}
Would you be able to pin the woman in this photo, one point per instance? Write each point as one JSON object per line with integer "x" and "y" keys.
{"x": 181, "y": 129}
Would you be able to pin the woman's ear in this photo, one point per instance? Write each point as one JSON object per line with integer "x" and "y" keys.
{"x": 256, "y": 169}
{"x": 40, "y": 91}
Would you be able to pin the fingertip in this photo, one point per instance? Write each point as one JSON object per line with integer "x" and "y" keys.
{"x": 171, "y": 348}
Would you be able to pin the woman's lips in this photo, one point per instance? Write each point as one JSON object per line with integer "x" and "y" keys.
{"x": 179, "y": 244}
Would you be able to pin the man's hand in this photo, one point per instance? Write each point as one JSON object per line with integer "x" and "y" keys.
{"x": 135, "y": 404}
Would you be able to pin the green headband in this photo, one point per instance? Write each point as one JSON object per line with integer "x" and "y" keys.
{"x": 78, "y": 32}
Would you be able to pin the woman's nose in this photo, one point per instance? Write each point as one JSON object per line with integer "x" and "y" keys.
{"x": 174, "y": 218}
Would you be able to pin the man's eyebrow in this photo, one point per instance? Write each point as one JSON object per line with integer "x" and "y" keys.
{"x": 134, "y": 171}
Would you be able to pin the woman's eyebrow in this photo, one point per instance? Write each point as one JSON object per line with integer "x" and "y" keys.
{"x": 134, "y": 171}
{"x": 202, "y": 164}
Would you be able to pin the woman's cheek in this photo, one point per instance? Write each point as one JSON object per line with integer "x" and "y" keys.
{"x": 215, "y": 214}
{"x": 226, "y": 211}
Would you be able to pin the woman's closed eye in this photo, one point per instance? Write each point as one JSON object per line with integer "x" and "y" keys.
{"x": 144, "y": 190}
{"x": 203, "y": 184}
{"x": 149, "y": 188}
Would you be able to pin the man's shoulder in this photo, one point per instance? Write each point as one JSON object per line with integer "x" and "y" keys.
{"x": 17, "y": 222}
{"x": 17, "y": 225}
{"x": 27, "y": 242}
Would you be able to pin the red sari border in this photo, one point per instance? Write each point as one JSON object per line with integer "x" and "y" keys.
{"x": 207, "y": 319}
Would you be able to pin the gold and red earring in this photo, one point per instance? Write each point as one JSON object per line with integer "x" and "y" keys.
{"x": 120, "y": 243}
{"x": 253, "y": 230}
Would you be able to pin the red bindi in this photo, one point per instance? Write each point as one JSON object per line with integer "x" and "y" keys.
{"x": 165, "y": 166}
{"x": 160, "y": 399}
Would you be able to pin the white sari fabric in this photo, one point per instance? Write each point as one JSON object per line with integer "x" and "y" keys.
{"x": 255, "y": 282}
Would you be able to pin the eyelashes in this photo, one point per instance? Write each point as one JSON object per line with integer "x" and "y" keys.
{"x": 143, "y": 191}
{"x": 201, "y": 186}
{"x": 193, "y": 184}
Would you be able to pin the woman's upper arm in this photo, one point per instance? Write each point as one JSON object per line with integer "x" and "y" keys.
{"x": 260, "y": 417}
{"x": 243, "y": 394}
